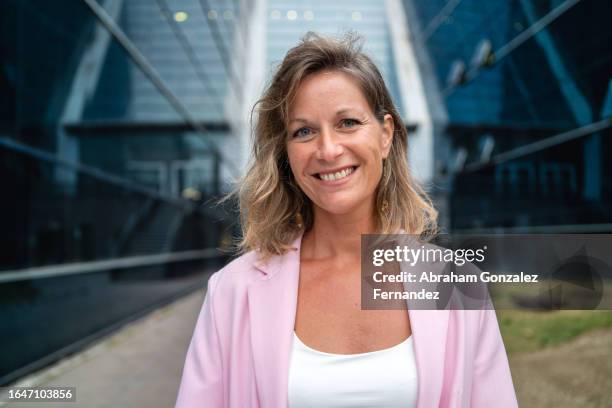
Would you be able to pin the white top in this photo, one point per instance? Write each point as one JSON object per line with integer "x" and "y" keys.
{"x": 384, "y": 378}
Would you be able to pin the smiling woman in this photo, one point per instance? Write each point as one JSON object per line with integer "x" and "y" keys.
{"x": 329, "y": 101}
{"x": 281, "y": 325}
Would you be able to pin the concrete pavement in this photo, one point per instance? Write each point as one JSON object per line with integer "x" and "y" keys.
{"x": 138, "y": 366}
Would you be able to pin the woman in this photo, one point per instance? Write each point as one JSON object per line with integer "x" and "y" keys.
{"x": 282, "y": 324}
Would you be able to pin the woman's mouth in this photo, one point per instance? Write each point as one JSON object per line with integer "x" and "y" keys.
{"x": 336, "y": 176}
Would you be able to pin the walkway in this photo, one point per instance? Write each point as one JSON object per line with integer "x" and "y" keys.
{"x": 138, "y": 366}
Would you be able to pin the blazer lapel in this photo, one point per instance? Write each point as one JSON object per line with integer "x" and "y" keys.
{"x": 429, "y": 331}
{"x": 272, "y": 308}
{"x": 430, "y": 328}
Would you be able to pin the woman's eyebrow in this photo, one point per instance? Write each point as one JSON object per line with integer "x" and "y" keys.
{"x": 338, "y": 113}
{"x": 343, "y": 111}
{"x": 298, "y": 120}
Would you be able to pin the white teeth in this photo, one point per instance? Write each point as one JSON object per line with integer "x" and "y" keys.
{"x": 336, "y": 176}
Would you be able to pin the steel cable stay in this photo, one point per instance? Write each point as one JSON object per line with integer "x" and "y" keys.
{"x": 516, "y": 42}
{"x": 140, "y": 60}
{"x": 181, "y": 37}
{"x": 230, "y": 68}
{"x": 540, "y": 145}
{"x": 93, "y": 172}
{"x": 439, "y": 18}
{"x": 242, "y": 29}
{"x": 239, "y": 30}
{"x": 466, "y": 32}
{"x": 546, "y": 91}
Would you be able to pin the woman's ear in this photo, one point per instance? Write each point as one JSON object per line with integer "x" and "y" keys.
{"x": 388, "y": 128}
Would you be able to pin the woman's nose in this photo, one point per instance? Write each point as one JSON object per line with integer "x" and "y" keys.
{"x": 329, "y": 147}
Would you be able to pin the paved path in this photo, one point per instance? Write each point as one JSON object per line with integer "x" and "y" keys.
{"x": 138, "y": 366}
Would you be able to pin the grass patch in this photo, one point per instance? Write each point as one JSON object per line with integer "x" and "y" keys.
{"x": 531, "y": 330}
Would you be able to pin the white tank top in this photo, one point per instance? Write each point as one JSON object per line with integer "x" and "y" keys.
{"x": 384, "y": 378}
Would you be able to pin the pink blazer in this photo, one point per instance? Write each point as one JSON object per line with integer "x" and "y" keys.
{"x": 240, "y": 351}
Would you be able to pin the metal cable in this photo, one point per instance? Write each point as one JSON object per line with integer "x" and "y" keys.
{"x": 517, "y": 41}
{"x": 146, "y": 67}
{"x": 92, "y": 172}
{"x": 222, "y": 50}
{"x": 189, "y": 51}
{"x": 439, "y": 18}
{"x": 540, "y": 145}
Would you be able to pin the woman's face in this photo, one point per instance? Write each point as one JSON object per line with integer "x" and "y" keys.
{"x": 335, "y": 144}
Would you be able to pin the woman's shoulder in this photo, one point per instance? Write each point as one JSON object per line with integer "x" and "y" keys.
{"x": 237, "y": 274}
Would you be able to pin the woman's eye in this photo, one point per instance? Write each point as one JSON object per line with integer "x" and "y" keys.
{"x": 350, "y": 122}
{"x": 301, "y": 132}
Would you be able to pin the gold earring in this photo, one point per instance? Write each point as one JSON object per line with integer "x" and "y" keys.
{"x": 384, "y": 207}
{"x": 384, "y": 168}
{"x": 299, "y": 222}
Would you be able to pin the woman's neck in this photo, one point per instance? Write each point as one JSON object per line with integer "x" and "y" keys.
{"x": 335, "y": 237}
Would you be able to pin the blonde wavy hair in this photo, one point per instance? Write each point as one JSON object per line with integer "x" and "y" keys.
{"x": 268, "y": 195}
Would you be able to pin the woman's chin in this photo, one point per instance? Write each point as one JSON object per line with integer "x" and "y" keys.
{"x": 340, "y": 208}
